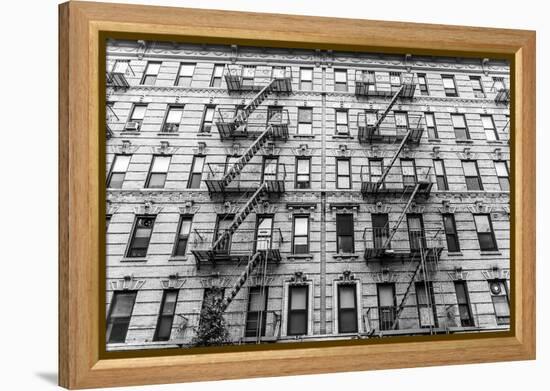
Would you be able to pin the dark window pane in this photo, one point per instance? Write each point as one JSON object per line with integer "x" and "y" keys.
{"x": 119, "y": 329}
{"x": 195, "y": 181}
{"x": 297, "y": 323}
{"x": 157, "y": 180}
{"x": 472, "y": 183}
{"x": 117, "y": 179}
{"x": 347, "y": 321}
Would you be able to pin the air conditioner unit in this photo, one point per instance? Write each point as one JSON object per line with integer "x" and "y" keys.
{"x": 132, "y": 125}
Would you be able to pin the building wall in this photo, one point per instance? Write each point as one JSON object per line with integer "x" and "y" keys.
{"x": 322, "y": 268}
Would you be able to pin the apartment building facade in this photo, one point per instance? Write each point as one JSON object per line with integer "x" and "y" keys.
{"x": 321, "y": 195}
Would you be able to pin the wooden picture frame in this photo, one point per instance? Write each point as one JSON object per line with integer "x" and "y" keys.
{"x": 84, "y": 25}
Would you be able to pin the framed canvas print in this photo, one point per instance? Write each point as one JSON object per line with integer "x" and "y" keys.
{"x": 248, "y": 195}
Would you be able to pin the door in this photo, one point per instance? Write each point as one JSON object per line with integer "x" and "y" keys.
{"x": 264, "y": 232}
{"x": 417, "y": 236}
{"x": 381, "y": 229}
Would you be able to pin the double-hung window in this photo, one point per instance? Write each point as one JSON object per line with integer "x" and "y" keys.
{"x": 217, "y": 73}
{"x": 173, "y": 119}
{"x": 305, "y": 119}
{"x": 449, "y": 85}
{"x": 158, "y": 172}
{"x": 182, "y": 236}
{"x": 477, "y": 87}
{"x": 342, "y": 127}
{"x": 425, "y": 301}
{"x": 185, "y": 75}
{"x": 344, "y": 233}
{"x": 347, "y": 308}
{"x": 306, "y": 79}
{"x": 440, "y": 174}
{"x": 303, "y": 173}
{"x": 166, "y": 315}
{"x": 300, "y": 237}
{"x": 343, "y": 173}
{"x": 423, "y": 84}
{"x": 151, "y": 72}
{"x": 503, "y": 175}
{"x": 485, "y": 232}
{"x": 195, "y": 176}
{"x": 450, "y": 233}
{"x": 120, "y": 314}
{"x": 463, "y": 301}
{"x": 460, "y": 127}
{"x": 141, "y": 235}
{"x": 431, "y": 126}
{"x": 471, "y": 174}
{"x": 340, "y": 80}
{"x": 489, "y": 127}
{"x": 207, "y": 119}
{"x": 501, "y": 304}
{"x": 256, "y": 315}
{"x": 297, "y": 309}
{"x": 119, "y": 167}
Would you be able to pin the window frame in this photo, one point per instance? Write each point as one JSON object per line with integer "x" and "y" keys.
{"x": 112, "y": 172}
{"x": 151, "y": 173}
{"x": 336, "y": 124}
{"x": 442, "y": 176}
{"x": 466, "y": 304}
{"x": 494, "y": 246}
{"x": 448, "y": 91}
{"x": 502, "y": 178}
{"x": 425, "y": 91}
{"x": 338, "y": 235}
{"x": 307, "y": 235}
{"x": 165, "y": 122}
{"x": 353, "y": 310}
{"x": 205, "y": 122}
{"x": 432, "y": 128}
{"x": 302, "y": 80}
{"x": 214, "y": 78}
{"x": 300, "y": 122}
{"x": 403, "y": 176}
{"x": 478, "y": 177}
{"x": 453, "y": 235}
{"x": 178, "y": 237}
{"x": 132, "y": 112}
{"x": 297, "y": 174}
{"x": 266, "y": 159}
{"x": 260, "y": 326}
{"x": 111, "y": 321}
{"x": 145, "y": 74}
{"x": 465, "y": 128}
{"x": 383, "y": 324}
{"x": 180, "y": 77}
{"x": 193, "y": 173}
{"x": 291, "y": 312}
{"x": 479, "y": 92}
{"x": 131, "y": 245}
{"x": 161, "y": 315}
{"x": 340, "y": 86}
{"x": 502, "y": 283}
{"x": 430, "y": 296}
{"x": 493, "y": 129}
{"x": 338, "y": 175}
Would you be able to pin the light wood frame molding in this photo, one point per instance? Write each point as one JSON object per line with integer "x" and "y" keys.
{"x": 81, "y": 362}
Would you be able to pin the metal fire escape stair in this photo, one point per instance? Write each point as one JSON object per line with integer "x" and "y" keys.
{"x": 401, "y": 217}
{"x": 242, "y": 115}
{"x": 236, "y": 169}
{"x": 388, "y": 108}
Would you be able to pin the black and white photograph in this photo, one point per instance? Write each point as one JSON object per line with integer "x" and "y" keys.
{"x": 259, "y": 195}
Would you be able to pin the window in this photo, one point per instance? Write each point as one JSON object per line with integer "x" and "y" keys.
{"x": 449, "y": 85}
{"x": 371, "y": 117}
{"x": 423, "y": 84}
{"x": 303, "y": 173}
{"x": 430, "y": 125}
{"x": 297, "y": 309}
{"x": 498, "y": 83}
{"x": 477, "y": 86}
{"x": 166, "y": 316}
{"x": 158, "y": 172}
{"x": 210, "y": 297}
{"x": 395, "y": 81}
{"x": 425, "y": 301}
{"x": 471, "y": 173}
{"x": 118, "y": 171}
{"x": 223, "y": 223}
{"x": 386, "y": 305}
{"x": 306, "y": 79}
{"x": 120, "y": 313}
{"x": 502, "y": 174}
{"x": 347, "y": 308}
{"x": 274, "y": 115}
{"x": 256, "y": 316}
{"x": 450, "y": 233}
{"x": 342, "y": 122}
{"x": 269, "y": 169}
{"x": 136, "y": 117}
{"x": 195, "y": 175}
{"x": 141, "y": 235}
{"x": 207, "y": 119}
{"x": 501, "y": 304}
{"x": 249, "y": 72}
{"x": 401, "y": 121}
{"x": 485, "y": 233}
{"x": 417, "y": 237}
{"x": 173, "y": 119}
{"x": 489, "y": 127}
{"x": 408, "y": 170}
{"x": 340, "y": 80}
{"x": 380, "y": 229}
{"x": 459, "y": 125}
{"x": 343, "y": 173}
{"x": 440, "y": 175}
{"x": 264, "y": 230}
{"x": 182, "y": 237}
{"x": 217, "y": 73}
{"x": 151, "y": 72}
{"x": 300, "y": 237}
{"x": 185, "y": 75}
{"x": 463, "y": 301}
{"x": 375, "y": 169}
{"x": 305, "y": 119}
{"x": 344, "y": 233}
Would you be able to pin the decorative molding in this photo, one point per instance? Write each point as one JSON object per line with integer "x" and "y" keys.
{"x": 496, "y": 273}
{"x": 174, "y": 281}
{"x": 299, "y": 277}
{"x": 228, "y": 207}
{"x": 127, "y": 283}
{"x": 342, "y": 151}
{"x": 416, "y": 208}
{"x": 300, "y": 208}
{"x": 467, "y": 154}
{"x": 446, "y": 208}
{"x": 347, "y": 276}
{"x": 234, "y": 53}
{"x": 215, "y": 281}
{"x": 379, "y": 207}
{"x": 189, "y": 208}
{"x": 344, "y": 207}
{"x": 124, "y": 148}
{"x": 480, "y": 207}
{"x": 436, "y": 152}
{"x": 385, "y": 276}
{"x": 267, "y": 208}
{"x": 111, "y": 209}
{"x": 259, "y": 281}
{"x": 458, "y": 274}
{"x": 163, "y": 149}
{"x": 201, "y": 148}
{"x": 147, "y": 208}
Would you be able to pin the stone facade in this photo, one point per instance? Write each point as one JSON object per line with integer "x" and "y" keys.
{"x": 321, "y": 269}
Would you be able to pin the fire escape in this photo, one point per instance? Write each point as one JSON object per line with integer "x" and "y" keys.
{"x": 263, "y": 126}
{"x": 386, "y": 242}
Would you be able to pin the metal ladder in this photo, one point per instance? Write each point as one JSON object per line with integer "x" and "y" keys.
{"x": 257, "y": 100}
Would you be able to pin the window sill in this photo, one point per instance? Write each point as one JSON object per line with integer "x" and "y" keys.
{"x": 303, "y": 136}
{"x": 496, "y": 142}
{"x": 176, "y": 259}
{"x": 342, "y": 137}
{"x": 141, "y": 259}
{"x": 200, "y": 134}
{"x": 491, "y": 252}
{"x": 455, "y": 254}
{"x": 129, "y": 133}
{"x": 342, "y": 256}
{"x": 434, "y": 140}
{"x": 168, "y": 134}
{"x": 300, "y": 257}
{"x": 464, "y": 141}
